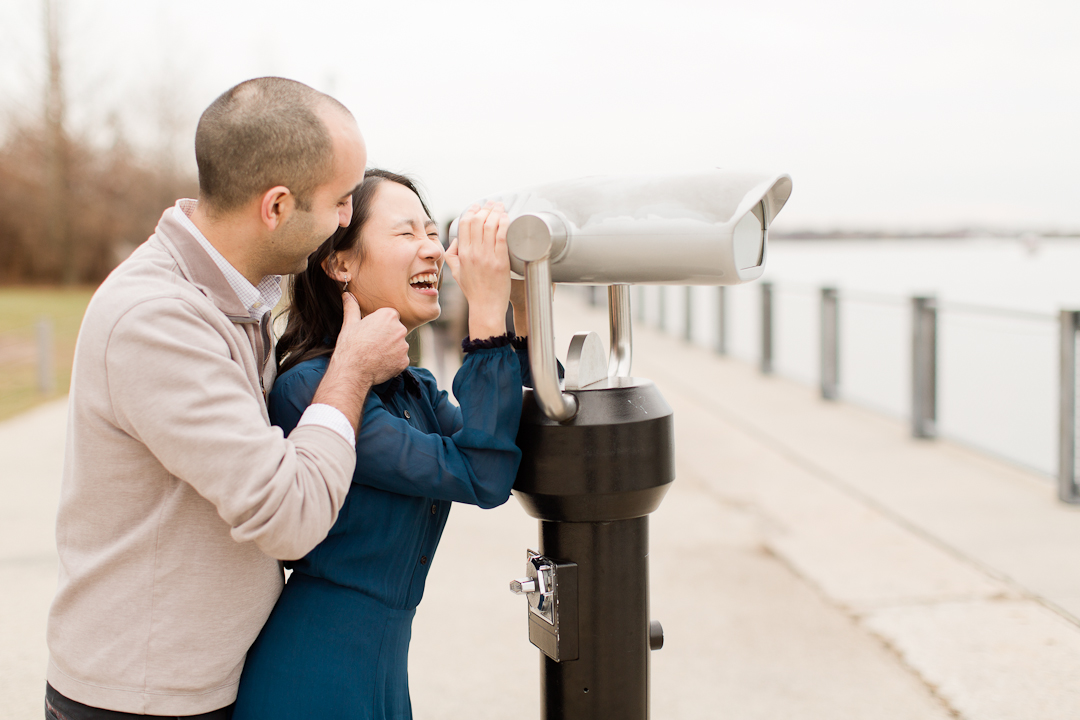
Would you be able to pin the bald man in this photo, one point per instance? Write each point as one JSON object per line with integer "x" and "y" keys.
{"x": 178, "y": 497}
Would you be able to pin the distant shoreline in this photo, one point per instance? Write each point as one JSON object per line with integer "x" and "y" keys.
{"x": 964, "y": 234}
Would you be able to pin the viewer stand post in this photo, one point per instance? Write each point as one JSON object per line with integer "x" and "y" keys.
{"x": 598, "y": 447}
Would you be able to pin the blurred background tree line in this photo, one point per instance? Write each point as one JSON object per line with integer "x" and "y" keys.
{"x": 84, "y": 178}
{"x": 74, "y": 203}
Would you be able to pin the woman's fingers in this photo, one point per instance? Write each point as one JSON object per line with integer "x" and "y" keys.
{"x": 450, "y": 257}
{"x": 500, "y": 236}
{"x": 491, "y": 227}
{"x": 471, "y": 230}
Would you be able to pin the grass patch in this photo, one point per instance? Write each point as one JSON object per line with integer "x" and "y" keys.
{"x": 21, "y": 308}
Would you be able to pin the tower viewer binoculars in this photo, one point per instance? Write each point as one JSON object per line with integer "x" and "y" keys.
{"x": 598, "y": 450}
{"x": 706, "y": 228}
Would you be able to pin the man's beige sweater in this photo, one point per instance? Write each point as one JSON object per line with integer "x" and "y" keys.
{"x": 177, "y": 493}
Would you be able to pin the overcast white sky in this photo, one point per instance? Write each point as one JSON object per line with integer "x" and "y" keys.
{"x": 902, "y": 114}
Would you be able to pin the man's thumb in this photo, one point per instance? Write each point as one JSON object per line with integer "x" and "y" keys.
{"x": 350, "y": 307}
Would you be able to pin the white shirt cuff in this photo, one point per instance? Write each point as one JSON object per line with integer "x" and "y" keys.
{"x": 329, "y": 417}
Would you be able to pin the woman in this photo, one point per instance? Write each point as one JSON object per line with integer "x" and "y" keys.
{"x": 336, "y": 644}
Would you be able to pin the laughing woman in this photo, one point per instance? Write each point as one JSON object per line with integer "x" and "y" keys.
{"x": 336, "y": 644}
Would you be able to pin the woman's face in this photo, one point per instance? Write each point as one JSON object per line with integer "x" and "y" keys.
{"x": 402, "y": 258}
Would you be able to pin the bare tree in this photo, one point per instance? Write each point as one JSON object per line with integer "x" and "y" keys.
{"x": 57, "y": 151}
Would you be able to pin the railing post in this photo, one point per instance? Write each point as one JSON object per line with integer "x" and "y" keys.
{"x": 45, "y": 380}
{"x": 767, "y": 328}
{"x": 924, "y": 367}
{"x": 662, "y": 307}
{"x": 721, "y": 321}
{"x": 1067, "y": 488}
{"x": 830, "y": 344}
{"x": 688, "y": 328}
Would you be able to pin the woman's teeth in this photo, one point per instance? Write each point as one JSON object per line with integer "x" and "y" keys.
{"x": 424, "y": 280}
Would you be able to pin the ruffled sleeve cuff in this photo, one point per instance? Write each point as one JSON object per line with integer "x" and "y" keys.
{"x": 497, "y": 341}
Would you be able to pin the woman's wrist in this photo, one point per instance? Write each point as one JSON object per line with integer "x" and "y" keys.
{"x": 486, "y": 324}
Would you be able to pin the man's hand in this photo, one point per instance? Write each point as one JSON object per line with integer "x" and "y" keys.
{"x": 373, "y": 345}
{"x": 369, "y": 350}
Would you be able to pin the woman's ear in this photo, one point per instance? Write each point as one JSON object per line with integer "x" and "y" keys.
{"x": 334, "y": 268}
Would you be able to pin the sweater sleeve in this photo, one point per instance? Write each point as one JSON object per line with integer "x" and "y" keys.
{"x": 176, "y": 386}
{"x": 475, "y": 463}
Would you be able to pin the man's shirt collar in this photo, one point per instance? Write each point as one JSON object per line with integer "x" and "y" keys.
{"x": 258, "y": 300}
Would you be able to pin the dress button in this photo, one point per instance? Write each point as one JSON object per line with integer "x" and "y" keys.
{"x": 434, "y": 509}
{"x": 407, "y": 415}
{"x": 423, "y": 559}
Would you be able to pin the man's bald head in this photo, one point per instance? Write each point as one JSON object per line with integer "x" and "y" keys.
{"x": 264, "y": 133}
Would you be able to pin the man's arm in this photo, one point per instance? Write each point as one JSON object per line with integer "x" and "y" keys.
{"x": 175, "y": 385}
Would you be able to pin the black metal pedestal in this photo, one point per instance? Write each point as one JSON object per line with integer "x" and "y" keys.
{"x": 592, "y": 483}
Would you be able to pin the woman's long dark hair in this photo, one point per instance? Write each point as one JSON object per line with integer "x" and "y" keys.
{"x": 314, "y": 308}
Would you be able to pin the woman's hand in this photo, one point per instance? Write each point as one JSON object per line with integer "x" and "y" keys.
{"x": 481, "y": 265}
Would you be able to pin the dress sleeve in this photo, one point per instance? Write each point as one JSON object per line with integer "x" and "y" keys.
{"x": 521, "y": 347}
{"x": 476, "y": 463}
{"x": 292, "y": 394}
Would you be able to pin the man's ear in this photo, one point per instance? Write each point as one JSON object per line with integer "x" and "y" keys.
{"x": 275, "y": 207}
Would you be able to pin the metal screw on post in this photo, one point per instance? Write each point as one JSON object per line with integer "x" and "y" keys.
{"x": 45, "y": 380}
{"x": 830, "y": 344}
{"x": 767, "y": 328}
{"x": 924, "y": 367}
{"x": 1067, "y": 487}
{"x": 688, "y": 328}
{"x": 721, "y": 321}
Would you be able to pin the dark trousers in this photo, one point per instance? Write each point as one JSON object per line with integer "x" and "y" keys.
{"x": 58, "y": 707}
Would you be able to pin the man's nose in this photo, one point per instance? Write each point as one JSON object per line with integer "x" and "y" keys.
{"x": 344, "y": 215}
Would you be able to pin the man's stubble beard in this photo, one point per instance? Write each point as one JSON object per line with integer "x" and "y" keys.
{"x": 299, "y": 235}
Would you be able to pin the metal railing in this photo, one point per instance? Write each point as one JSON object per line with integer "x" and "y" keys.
{"x": 1067, "y": 425}
{"x": 931, "y": 323}
{"x": 31, "y": 346}
{"x": 28, "y": 366}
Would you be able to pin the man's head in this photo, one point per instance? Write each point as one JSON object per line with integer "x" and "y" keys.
{"x": 288, "y": 154}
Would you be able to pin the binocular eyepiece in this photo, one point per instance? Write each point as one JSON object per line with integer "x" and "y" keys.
{"x": 707, "y": 228}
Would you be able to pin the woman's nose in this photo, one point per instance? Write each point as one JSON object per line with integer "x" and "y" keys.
{"x": 431, "y": 250}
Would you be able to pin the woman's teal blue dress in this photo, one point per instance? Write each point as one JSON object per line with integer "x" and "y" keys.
{"x": 336, "y": 644}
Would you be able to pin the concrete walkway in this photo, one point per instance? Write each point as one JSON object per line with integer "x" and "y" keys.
{"x": 811, "y": 561}
{"x": 31, "y": 459}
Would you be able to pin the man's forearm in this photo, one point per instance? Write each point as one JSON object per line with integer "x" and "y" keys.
{"x": 344, "y": 389}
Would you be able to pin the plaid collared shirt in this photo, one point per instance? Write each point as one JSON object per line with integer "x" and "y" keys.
{"x": 260, "y": 299}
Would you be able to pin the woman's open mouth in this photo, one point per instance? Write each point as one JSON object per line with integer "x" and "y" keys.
{"x": 426, "y": 283}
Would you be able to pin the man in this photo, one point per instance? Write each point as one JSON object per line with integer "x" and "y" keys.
{"x": 178, "y": 496}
